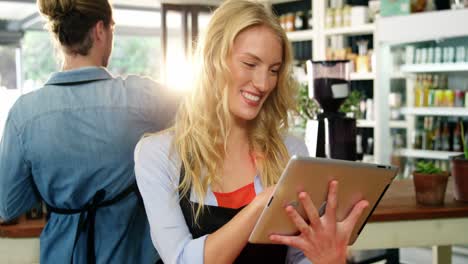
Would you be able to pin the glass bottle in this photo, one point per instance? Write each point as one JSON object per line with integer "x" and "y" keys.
{"x": 417, "y": 136}
{"x": 457, "y": 143}
{"x": 446, "y": 136}
{"x": 428, "y": 133}
{"x": 427, "y": 84}
{"x": 437, "y": 136}
{"x": 418, "y": 92}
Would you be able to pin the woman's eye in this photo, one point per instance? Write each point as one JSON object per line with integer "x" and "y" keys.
{"x": 250, "y": 65}
{"x": 274, "y": 71}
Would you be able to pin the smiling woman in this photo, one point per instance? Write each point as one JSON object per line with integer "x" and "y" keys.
{"x": 205, "y": 181}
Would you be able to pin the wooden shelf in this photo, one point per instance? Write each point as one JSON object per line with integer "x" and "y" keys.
{"x": 425, "y": 154}
{"x": 301, "y": 35}
{"x": 351, "y": 31}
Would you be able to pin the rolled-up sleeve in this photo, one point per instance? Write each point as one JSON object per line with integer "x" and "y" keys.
{"x": 16, "y": 184}
{"x": 157, "y": 178}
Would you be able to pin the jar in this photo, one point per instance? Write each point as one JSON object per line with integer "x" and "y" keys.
{"x": 310, "y": 19}
{"x": 460, "y": 54}
{"x": 409, "y": 55}
{"x": 466, "y": 100}
{"x": 417, "y": 59}
{"x": 431, "y": 101}
{"x": 459, "y": 98}
{"x": 430, "y": 55}
{"x": 299, "y": 22}
{"x": 347, "y": 16}
{"x": 282, "y": 19}
{"x": 329, "y": 18}
{"x": 439, "y": 98}
{"x": 449, "y": 96}
{"x": 289, "y": 22}
{"x": 423, "y": 55}
{"x": 338, "y": 17}
{"x": 437, "y": 55}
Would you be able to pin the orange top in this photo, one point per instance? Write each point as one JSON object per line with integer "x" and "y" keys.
{"x": 237, "y": 198}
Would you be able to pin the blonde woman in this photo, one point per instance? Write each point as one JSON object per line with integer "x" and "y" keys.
{"x": 71, "y": 143}
{"x": 205, "y": 182}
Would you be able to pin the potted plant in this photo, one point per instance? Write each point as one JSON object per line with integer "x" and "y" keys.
{"x": 459, "y": 166}
{"x": 430, "y": 183}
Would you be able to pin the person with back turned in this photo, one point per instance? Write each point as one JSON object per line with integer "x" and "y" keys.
{"x": 70, "y": 143}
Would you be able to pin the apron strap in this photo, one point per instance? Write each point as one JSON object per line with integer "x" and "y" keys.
{"x": 88, "y": 217}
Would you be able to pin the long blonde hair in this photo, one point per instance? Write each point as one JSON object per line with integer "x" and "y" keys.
{"x": 202, "y": 123}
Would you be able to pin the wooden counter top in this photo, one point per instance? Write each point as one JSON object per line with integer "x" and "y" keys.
{"x": 24, "y": 228}
{"x": 399, "y": 203}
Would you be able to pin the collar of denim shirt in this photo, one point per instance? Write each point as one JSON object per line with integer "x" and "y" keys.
{"x": 85, "y": 74}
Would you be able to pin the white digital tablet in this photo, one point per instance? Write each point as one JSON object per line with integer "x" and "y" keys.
{"x": 356, "y": 181}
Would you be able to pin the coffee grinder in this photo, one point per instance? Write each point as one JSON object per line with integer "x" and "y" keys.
{"x": 331, "y": 134}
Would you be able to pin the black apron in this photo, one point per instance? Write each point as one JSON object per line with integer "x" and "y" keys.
{"x": 214, "y": 217}
{"x": 88, "y": 217}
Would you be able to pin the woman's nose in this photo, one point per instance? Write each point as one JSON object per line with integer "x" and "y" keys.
{"x": 260, "y": 79}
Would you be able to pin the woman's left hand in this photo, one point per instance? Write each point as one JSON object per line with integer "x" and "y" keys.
{"x": 324, "y": 240}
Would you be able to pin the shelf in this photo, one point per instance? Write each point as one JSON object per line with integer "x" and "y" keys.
{"x": 357, "y": 76}
{"x": 365, "y": 123}
{"x": 301, "y": 35}
{"x": 435, "y": 111}
{"x": 398, "y": 124}
{"x": 424, "y": 26}
{"x": 441, "y": 67}
{"x": 353, "y": 30}
{"x": 425, "y": 154}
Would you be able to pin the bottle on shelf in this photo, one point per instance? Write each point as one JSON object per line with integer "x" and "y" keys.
{"x": 362, "y": 60}
{"x": 437, "y": 136}
{"x": 418, "y": 92}
{"x": 445, "y": 136}
{"x": 431, "y": 101}
{"x": 359, "y": 150}
{"x": 299, "y": 21}
{"x": 347, "y": 16}
{"x": 338, "y": 15}
{"x": 428, "y": 133}
{"x": 310, "y": 19}
{"x": 456, "y": 141}
{"x": 417, "y": 137}
{"x": 427, "y": 84}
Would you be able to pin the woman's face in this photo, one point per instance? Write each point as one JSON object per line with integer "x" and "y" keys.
{"x": 254, "y": 63}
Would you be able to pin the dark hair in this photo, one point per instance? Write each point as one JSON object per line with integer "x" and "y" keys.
{"x": 71, "y": 21}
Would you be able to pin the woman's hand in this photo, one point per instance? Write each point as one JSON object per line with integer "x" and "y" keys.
{"x": 324, "y": 240}
{"x": 262, "y": 199}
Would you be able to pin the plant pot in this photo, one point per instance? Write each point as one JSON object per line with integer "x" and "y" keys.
{"x": 430, "y": 188}
{"x": 460, "y": 178}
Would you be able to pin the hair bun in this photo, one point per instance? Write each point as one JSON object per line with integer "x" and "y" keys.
{"x": 56, "y": 9}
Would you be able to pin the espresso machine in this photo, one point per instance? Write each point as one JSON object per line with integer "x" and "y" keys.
{"x": 331, "y": 134}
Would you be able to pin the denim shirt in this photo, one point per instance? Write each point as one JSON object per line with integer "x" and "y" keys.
{"x": 72, "y": 137}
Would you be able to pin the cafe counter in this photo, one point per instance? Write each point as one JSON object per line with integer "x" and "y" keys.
{"x": 397, "y": 222}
